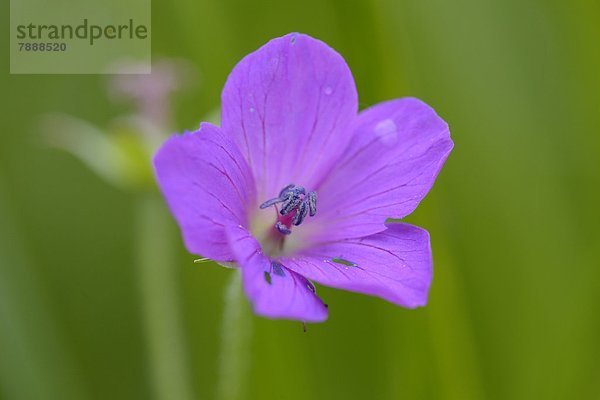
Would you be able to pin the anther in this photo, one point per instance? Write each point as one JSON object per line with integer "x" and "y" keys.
{"x": 284, "y": 230}
{"x": 285, "y": 189}
{"x": 312, "y": 203}
{"x": 300, "y": 214}
{"x": 290, "y": 204}
{"x": 284, "y": 196}
{"x": 271, "y": 202}
{"x": 299, "y": 190}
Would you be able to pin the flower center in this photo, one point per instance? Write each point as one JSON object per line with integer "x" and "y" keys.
{"x": 295, "y": 205}
{"x": 292, "y": 206}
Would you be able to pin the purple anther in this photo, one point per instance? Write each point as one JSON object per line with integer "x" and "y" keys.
{"x": 299, "y": 190}
{"x": 271, "y": 202}
{"x": 286, "y": 189}
{"x": 300, "y": 213}
{"x": 290, "y": 204}
{"x": 312, "y": 203}
{"x": 284, "y": 230}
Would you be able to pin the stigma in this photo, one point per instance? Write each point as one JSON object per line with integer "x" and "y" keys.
{"x": 293, "y": 205}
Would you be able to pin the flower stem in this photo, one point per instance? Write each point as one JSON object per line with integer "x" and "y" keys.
{"x": 168, "y": 363}
{"x": 235, "y": 345}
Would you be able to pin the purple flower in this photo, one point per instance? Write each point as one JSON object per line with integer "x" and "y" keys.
{"x": 296, "y": 185}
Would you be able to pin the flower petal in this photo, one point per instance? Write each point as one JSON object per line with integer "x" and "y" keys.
{"x": 208, "y": 186}
{"x": 397, "y": 150}
{"x": 287, "y": 106}
{"x": 394, "y": 264}
{"x": 274, "y": 290}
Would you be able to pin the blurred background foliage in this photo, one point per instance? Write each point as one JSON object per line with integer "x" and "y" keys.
{"x": 514, "y": 311}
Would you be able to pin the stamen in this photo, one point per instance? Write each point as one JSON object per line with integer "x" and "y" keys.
{"x": 312, "y": 203}
{"x": 285, "y": 189}
{"x": 296, "y": 205}
{"x": 300, "y": 214}
{"x": 271, "y": 202}
{"x": 300, "y": 190}
{"x": 284, "y": 230}
{"x": 291, "y": 204}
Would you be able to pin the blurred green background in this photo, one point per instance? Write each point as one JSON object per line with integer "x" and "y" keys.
{"x": 99, "y": 300}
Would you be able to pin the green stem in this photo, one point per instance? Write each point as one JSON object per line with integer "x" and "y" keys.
{"x": 235, "y": 346}
{"x": 160, "y": 301}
